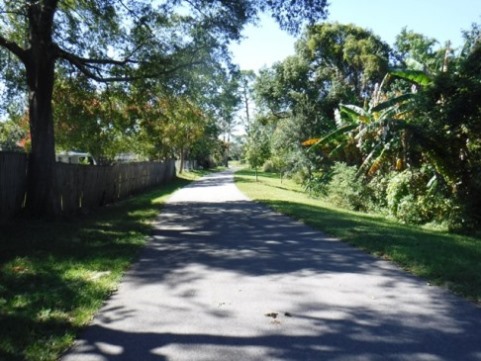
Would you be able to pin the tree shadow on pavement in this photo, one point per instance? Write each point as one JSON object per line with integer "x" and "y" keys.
{"x": 232, "y": 266}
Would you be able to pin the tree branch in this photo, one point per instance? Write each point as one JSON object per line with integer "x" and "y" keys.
{"x": 87, "y": 61}
{"x": 17, "y": 13}
{"x": 86, "y": 67}
{"x": 14, "y": 48}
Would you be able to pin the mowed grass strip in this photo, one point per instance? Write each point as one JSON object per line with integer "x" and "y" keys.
{"x": 448, "y": 260}
{"x": 55, "y": 276}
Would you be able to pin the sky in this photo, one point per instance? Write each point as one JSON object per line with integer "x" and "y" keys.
{"x": 440, "y": 19}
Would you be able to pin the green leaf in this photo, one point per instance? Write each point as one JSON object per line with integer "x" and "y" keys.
{"x": 414, "y": 76}
{"x": 334, "y": 134}
{"x": 354, "y": 113}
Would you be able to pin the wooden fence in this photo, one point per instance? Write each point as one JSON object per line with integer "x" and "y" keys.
{"x": 13, "y": 183}
{"x": 80, "y": 186}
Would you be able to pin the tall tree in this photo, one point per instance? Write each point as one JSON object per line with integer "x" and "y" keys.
{"x": 417, "y": 51}
{"x": 345, "y": 54}
{"x": 114, "y": 40}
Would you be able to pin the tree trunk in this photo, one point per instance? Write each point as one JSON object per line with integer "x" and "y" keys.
{"x": 182, "y": 155}
{"x": 42, "y": 195}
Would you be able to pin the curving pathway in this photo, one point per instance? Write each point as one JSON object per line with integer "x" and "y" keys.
{"x": 224, "y": 278}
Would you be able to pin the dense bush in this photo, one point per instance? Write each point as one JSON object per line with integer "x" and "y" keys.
{"x": 345, "y": 188}
{"x": 411, "y": 196}
{"x": 317, "y": 183}
{"x": 415, "y": 196}
{"x": 376, "y": 199}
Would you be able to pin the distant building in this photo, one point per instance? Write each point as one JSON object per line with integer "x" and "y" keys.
{"x": 76, "y": 158}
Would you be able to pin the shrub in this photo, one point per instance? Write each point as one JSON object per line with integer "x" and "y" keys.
{"x": 376, "y": 197}
{"x": 397, "y": 189}
{"x": 317, "y": 183}
{"x": 345, "y": 189}
{"x": 416, "y": 196}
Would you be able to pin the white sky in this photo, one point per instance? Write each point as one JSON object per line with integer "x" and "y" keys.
{"x": 440, "y": 19}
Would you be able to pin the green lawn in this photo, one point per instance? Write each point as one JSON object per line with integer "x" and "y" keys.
{"x": 444, "y": 259}
{"x": 55, "y": 276}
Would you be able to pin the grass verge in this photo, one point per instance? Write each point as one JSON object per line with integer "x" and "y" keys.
{"x": 55, "y": 276}
{"x": 449, "y": 260}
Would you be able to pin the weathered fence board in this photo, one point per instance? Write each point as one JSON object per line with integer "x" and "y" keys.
{"x": 13, "y": 181}
{"x": 85, "y": 186}
{"x": 80, "y": 186}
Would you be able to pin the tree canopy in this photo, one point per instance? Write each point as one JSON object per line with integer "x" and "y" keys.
{"x": 114, "y": 40}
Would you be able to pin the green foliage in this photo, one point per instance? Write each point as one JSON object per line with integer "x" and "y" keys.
{"x": 257, "y": 153}
{"x": 91, "y": 120}
{"x": 12, "y": 133}
{"x": 291, "y": 15}
{"x": 345, "y": 188}
{"x": 414, "y": 196}
{"x": 269, "y": 167}
{"x": 416, "y": 51}
{"x": 257, "y": 148}
{"x": 376, "y": 198}
{"x": 401, "y": 195}
{"x": 145, "y": 42}
{"x": 417, "y": 77}
{"x": 317, "y": 184}
{"x": 406, "y": 120}
{"x": 287, "y": 155}
{"x": 448, "y": 112}
{"x": 346, "y": 54}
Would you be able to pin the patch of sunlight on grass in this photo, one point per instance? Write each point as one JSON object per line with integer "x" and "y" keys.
{"x": 55, "y": 276}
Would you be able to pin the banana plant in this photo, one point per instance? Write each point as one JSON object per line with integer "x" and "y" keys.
{"x": 381, "y": 130}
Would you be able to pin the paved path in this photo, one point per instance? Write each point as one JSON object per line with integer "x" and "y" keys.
{"x": 219, "y": 268}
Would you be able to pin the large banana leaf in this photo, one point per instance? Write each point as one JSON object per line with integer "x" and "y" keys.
{"x": 417, "y": 77}
{"x": 354, "y": 112}
{"x": 334, "y": 134}
{"x": 336, "y": 150}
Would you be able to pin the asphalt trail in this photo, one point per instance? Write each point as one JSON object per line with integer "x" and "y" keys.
{"x": 224, "y": 278}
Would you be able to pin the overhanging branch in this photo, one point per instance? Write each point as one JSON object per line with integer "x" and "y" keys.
{"x": 90, "y": 68}
{"x": 14, "y": 48}
{"x": 90, "y": 61}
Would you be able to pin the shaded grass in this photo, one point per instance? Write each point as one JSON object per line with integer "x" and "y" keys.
{"x": 453, "y": 261}
{"x": 55, "y": 276}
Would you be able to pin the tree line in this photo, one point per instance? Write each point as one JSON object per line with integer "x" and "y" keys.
{"x": 378, "y": 128}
